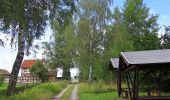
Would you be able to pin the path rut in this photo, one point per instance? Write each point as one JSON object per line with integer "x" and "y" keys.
{"x": 57, "y": 97}
{"x": 74, "y": 95}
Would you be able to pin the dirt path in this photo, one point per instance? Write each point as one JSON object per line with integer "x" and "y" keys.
{"x": 57, "y": 97}
{"x": 74, "y": 95}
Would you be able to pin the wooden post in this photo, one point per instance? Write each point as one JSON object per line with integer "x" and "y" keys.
{"x": 117, "y": 79}
{"x": 134, "y": 85}
{"x": 129, "y": 91}
{"x": 119, "y": 82}
{"x": 137, "y": 82}
{"x": 120, "y": 76}
{"x": 130, "y": 79}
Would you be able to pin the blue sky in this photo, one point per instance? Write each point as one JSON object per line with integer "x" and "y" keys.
{"x": 160, "y": 7}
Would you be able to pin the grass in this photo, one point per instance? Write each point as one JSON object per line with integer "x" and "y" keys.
{"x": 41, "y": 92}
{"x": 67, "y": 94}
{"x": 98, "y": 91}
{"x": 99, "y": 96}
{"x": 3, "y": 86}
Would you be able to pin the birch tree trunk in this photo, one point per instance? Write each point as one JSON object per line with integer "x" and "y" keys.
{"x": 90, "y": 63}
{"x": 16, "y": 66}
{"x": 90, "y": 73}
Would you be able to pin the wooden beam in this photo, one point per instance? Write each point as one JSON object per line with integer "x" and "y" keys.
{"x": 130, "y": 78}
{"x": 130, "y": 68}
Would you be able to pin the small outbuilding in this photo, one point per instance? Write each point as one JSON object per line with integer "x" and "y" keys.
{"x": 132, "y": 63}
{"x": 5, "y": 74}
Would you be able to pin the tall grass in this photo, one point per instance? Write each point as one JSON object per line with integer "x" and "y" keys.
{"x": 98, "y": 91}
{"x": 97, "y": 87}
{"x": 41, "y": 92}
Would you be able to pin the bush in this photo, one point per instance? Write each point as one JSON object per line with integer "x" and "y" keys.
{"x": 40, "y": 70}
{"x": 1, "y": 79}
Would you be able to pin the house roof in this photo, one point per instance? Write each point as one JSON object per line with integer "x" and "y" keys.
{"x": 28, "y": 63}
{"x": 147, "y": 57}
{"x": 114, "y": 63}
{"x": 4, "y": 72}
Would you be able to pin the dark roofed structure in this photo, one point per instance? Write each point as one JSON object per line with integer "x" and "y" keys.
{"x": 150, "y": 56}
{"x": 114, "y": 63}
{"x": 135, "y": 61}
{"x": 4, "y": 72}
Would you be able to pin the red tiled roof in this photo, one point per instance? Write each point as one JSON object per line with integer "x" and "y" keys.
{"x": 27, "y": 63}
{"x": 4, "y": 72}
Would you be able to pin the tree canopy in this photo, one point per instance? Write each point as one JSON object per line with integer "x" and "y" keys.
{"x": 25, "y": 21}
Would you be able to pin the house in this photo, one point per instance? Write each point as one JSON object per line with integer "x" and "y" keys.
{"x": 27, "y": 77}
{"x": 5, "y": 74}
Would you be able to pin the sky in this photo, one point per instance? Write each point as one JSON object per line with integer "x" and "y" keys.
{"x": 160, "y": 7}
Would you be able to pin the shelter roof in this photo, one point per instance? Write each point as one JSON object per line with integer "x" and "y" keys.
{"x": 146, "y": 57}
{"x": 114, "y": 63}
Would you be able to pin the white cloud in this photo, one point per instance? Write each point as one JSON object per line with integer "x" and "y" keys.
{"x": 151, "y": 11}
{"x": 7, "y": 58}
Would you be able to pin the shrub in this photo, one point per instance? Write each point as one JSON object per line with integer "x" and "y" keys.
{"x": 1, "y": 79}
{"x": 40, "y": 70}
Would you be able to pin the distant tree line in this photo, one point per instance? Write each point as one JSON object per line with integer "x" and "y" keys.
{"x": 95, "y": 34}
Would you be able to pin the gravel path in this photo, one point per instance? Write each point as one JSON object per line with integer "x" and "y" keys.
{"x": 74, "y": 95}
{"x": 57, "y": 97}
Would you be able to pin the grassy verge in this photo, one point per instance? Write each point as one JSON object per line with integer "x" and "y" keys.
{"x": 67, "y": 94}
{"x": 3, "y": 86}
{"x": 97, "y": 91}
{"x": 41, "y": 92}
{"x": 99, "y": 96}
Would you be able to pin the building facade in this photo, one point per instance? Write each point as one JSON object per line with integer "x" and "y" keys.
{"x": 27, "y": 77}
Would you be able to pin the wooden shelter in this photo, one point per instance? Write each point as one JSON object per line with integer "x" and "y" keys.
{"x": 135, "y": 62}
{"x": 114, "y": 64}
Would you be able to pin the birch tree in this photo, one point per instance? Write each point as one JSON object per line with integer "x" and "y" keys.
{"x": 93, "y": 16}
{"x": 25, "y": 21}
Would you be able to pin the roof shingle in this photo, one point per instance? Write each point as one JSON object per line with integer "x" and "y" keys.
{"x": 147, "y": 57}
{"x": 28, "y": 63}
